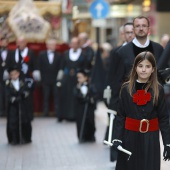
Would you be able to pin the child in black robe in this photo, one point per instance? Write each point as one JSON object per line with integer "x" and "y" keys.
{"x": 142, "y": 112}
{"x": 18, "y": 117}
{"x": 85, "y": 97}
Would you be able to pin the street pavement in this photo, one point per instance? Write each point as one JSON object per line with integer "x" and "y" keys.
{"x": 55, "y": 147}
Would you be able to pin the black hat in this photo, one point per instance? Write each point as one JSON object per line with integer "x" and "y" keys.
{"x": 15, "y": 67}
{"x": 85, "y": 72}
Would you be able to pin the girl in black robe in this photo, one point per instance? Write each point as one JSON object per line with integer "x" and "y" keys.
{"x": 18, "y": 116}
{"x": 142, "y": 112}
{"x": 85, "y": 104}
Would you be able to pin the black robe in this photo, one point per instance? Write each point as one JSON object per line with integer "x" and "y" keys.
{"x": 85, "y": 107}
{"x": 69, "y": 81}
{"x": 31, "y": 61}
{"x": 109, "y": 82}
{"x": 98, "y": 73}
{"x": 19, "y": 107}
{"x": 4, "y": 65}
{"x": 145, "y": 147}
{"x": 88, "y": 53}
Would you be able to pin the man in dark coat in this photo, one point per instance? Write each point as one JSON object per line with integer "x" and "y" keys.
{"x": 114, "y": 60}
{"x": 24, "y": 59}
{"x": 127, "y": 54}
{"x": 87, "y": 50}
{"x": 73, "y": 60}
{"x": 5, "y": 55}
{"x": 49, "y": 64}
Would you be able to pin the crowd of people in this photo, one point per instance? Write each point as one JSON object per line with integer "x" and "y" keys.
{"x": 77, "y": 79}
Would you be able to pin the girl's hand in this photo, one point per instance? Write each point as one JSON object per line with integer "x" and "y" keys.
{"x": 166, "y": 153}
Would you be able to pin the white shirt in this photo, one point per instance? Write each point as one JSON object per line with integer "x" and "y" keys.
{"x": 4, "y": 55}
{"x": 24, "y": 53}
{"x": 138, "y": 44}
{"x": 15, "y": 83}
{"x": 50, "y": 56}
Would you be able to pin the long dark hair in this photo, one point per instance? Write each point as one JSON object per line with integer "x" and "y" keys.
{"x": 152, "y": 81}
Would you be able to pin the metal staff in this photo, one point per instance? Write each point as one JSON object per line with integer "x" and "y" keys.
{"x": 120, "y": 148}
{"x": 83, "y": 122}
{"x": 20, "y": 123}
{"x": 112, "y": 117}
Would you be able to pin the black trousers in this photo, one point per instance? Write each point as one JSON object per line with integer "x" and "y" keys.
{"x": 3, "y": 99}
{"x": 47, "y": 90}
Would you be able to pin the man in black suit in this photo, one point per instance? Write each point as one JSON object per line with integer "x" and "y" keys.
{"x": 127, "y": 54}
{"x": 5, "y": 55}
{"x": 25, "y": 59}
{"x": 87, "y": 50}
{"x": 49, "y": 63}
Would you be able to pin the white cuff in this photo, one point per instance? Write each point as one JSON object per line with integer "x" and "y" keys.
{"x": 60, "y": 75}
{"x": 116, "y": 140}
{"x": 36, "y": 75}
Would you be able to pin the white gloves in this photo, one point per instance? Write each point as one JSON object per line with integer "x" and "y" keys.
{"x": 36, "y": 75}
{"x": 5, "y": 75}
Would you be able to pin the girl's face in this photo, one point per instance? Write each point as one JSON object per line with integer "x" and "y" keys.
{"x": 144, "y": 70}
{"x": 81, "y": 78}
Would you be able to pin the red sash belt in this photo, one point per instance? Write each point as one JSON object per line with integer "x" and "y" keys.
{"x": 142, "y": 126}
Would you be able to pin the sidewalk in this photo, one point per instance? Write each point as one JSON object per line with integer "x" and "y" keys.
{"x": 55, "y": 147}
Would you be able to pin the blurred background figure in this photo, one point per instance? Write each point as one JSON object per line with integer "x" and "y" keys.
{"x": 164, "y": 40}
{"x": 49, "y": 64}
{"x": 88, "y": 52}
{"x": 25, "y": 59}
{"x": 165, "y": 44}
{"x": 19, "y": 130}
{"x": 100, "y": 68}
{"x": 5, "y": 55}
{"x": 73, "y": 60}
{"x": 85, "y": 103}
{"x": 121, "y": 38}
{"x": 127, "y": 36}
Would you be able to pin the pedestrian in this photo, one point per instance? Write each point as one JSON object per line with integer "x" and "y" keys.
{"x": 25, "y": 59}
{"x": 49, "y": 64}
{"x": 18, "y": 117}
{"x": 5, "y": 55}
{"x": 100, "y": 68}
{"x": 142, "y": 112}
{"x": 73, "y": 60}
{"x": 87, "y": 50}
{"x": 85, "y": 96}
{"x": 110, "y": 81}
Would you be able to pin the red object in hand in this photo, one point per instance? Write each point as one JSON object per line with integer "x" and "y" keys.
{"x": 26, "y": 59}
{"x": 141, "y": 97}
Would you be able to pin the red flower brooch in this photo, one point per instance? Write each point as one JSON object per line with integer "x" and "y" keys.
{"x": 26, "y": 59}
{"x": 141, "y": 97}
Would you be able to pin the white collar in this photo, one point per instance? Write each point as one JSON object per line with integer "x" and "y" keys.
{"x": 15, "y": 83}
{"x": 124, "y": 43}
{"x": 138, "y": 44}
{"x": 74, "y": 55}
